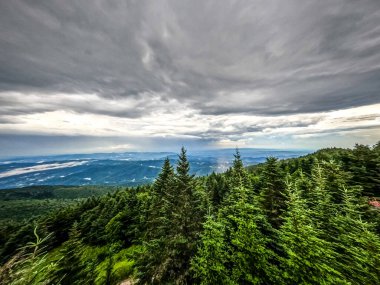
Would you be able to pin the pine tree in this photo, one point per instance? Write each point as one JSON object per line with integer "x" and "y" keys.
{"x": 235, "y": 246}
{"x": 161, "y": 202}
{"x": 364, "y": 165}
{"x": 217, "y": 188}
{"x": 209, "y": 264}
{"x": 239, "y": 176}
{"x": 158, "y": 223}
{"x": 178, "y": 222}
{"x": 357, "y": 244}
{"x": 164, "y": 179}
{"x": 188, "y": 218}
{"x": 320, "y": 199}
{"x": 309, "y": 259}
{"x": 335, "y": 177}
{"x": 272, "y": 192}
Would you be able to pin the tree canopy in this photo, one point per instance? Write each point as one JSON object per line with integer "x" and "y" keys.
{"x": 307, "y": 220}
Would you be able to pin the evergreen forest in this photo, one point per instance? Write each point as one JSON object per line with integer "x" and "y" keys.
{"x": 308, "y": 220}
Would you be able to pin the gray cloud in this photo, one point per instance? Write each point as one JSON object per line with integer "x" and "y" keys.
{"x": 256, "y": 57}
{"x": 134, "y": 107}
{"x": 26, "y": 144}
{"x": 5, "y": 120}
{"x": 368, "y": 117}
{"x": 235, "y": 131}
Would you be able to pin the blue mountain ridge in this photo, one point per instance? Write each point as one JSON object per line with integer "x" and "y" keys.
{"x": 128, "y": 168}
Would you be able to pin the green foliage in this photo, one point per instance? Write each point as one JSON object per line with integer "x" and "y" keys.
{"x": 308, "y": 258}
{"x": 238, "y": 176}
{"x": 19, "y": 210}
{"x": 355, "y": 241}
{"x": 209, "y": 263}
{"x": 34, "y": 201}
{"x": 29, "y": 265}
{"x": 69, "y": 269}
{"x": 174, "y": 221}
{"x": 364, "y": 164}
{"x": 161, "y": 202}
{"x": 122, "y": 269}
{"x": 297, "y": 221}
{"x": 217, "y": 188}
{"x": 235, "y": 246}
{"x": 272, "y": 192}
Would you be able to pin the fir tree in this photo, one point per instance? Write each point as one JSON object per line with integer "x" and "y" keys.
{"x": 158, "y": 223}
{"x": 358, "y": 246}
{"x": 187, "y": 217}
{"x": 181, "y": 217}
{"x": 320, "y": 199}
{"x": 364, "y": 165}
{"x": 239, "y": 175}
{"x": 309, "y": 259}
{"x": 272, "y": 192}
{"x": 235, "y": 247}
{"x": 161, "y": 201}
{"x": 209, "y": 264}
{"x": 164, "y": 179}
{"x": 217, "y": 188}
{"x": 335, "y": 177}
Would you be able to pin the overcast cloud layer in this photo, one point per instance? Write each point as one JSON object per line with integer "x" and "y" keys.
{"x": 293, "y": 73}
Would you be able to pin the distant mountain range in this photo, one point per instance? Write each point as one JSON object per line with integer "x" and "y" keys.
{"x": 128, "y": 168}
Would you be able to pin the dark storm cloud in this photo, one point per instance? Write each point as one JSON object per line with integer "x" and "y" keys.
{"x": 255, "y": 57}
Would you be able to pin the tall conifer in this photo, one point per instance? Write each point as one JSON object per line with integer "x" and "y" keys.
{"x": 308, "y": 258}
{"x": 357, "y": 244}
{"x": 272, "y": 194}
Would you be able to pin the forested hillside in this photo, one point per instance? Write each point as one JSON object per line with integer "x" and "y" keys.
{"x": 25, "y": 203}
{"x": 308, "y": 220}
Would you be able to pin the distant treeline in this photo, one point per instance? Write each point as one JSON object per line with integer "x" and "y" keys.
{"x": 20, "y": 204}
{"x": 306, "y": 220}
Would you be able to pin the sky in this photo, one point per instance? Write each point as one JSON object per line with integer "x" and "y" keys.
{"x": 102, "y": 76}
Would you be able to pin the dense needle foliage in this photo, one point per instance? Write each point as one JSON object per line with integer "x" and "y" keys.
{"x": 309, "y": 220}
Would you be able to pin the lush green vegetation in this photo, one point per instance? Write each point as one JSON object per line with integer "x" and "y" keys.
{"x": 25, "y": 203}
{"x": 297, "y": 221}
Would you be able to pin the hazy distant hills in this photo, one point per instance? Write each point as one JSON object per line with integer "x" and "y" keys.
{"x": 129, "y": 168}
